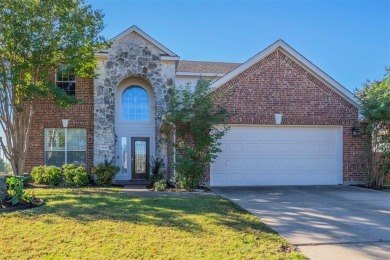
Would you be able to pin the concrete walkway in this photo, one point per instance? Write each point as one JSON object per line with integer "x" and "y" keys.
{"x": 324, "y": 222}
{"x": 142, "y": 190}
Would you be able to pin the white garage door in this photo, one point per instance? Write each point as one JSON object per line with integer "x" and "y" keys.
{"x": 279, "y": 155}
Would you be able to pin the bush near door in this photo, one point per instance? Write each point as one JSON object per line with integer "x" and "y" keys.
{"x": 105, "y": 173}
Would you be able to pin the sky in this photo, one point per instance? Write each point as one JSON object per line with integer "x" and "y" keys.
{"x": 348, "y": 40}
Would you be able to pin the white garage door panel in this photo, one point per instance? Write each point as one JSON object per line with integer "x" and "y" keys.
{"x": 279, "y": 156}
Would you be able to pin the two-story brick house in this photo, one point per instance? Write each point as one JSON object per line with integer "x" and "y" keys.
{"x": 120, "y": 117}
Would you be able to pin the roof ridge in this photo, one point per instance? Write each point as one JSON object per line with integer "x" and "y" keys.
{"x": 212, "y": 61}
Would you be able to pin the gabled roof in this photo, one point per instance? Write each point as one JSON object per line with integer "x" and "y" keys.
{"x": 297, "y": 57}
{"x": 137, "y": 30}
{"x": 206, "y": 67}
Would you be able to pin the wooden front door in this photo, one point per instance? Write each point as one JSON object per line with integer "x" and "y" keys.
{"x": 140, "y": 157}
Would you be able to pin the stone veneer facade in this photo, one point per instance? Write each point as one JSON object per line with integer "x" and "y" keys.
{"x": 132, "y": 56}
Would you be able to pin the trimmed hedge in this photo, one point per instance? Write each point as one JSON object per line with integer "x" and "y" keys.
{"x": 105, "y": 173}
{"x": 75, "y": 175}
{"x": 49, "y": 175}
{"x": 68, "y": 175}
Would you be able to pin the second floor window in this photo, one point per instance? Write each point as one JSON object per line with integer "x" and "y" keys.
{"x": 66, "y": 80}
{"x": 135, "y": 104}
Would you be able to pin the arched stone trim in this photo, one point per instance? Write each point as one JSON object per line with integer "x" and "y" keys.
{"x": 130, "y": 59}
{"x": 135, "y": 81}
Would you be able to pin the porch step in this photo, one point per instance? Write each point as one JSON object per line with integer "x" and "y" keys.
{"x": 133, "y": 182}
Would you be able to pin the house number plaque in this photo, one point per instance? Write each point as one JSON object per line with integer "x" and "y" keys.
{"x": 103, "y": 147}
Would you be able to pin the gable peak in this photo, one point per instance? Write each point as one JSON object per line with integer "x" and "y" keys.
{"x": 144, "y": 35}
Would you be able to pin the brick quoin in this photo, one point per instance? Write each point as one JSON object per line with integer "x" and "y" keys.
{"x": 49, "y": 115}
{"x": 277, "y": 84}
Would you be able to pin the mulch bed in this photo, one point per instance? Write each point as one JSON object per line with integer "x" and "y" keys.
{"x": 14, "y": 208}
{"x": 6, "y": 206}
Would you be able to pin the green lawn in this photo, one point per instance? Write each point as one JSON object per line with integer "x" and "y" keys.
{"x": 95, "y": 223}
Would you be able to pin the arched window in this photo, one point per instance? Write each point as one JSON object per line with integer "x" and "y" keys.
{"x": 135, "y": 104}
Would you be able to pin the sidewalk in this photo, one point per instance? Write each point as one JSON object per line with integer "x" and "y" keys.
{"x": 141, "y": 189}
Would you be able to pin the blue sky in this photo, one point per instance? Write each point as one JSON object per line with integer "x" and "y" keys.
{"x": 349, "y": 40}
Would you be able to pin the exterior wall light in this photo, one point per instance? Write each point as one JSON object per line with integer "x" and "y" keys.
{"x": 278, "y": 119}
{"x": 65, "y": 123}
{"x": 355, "y": 131}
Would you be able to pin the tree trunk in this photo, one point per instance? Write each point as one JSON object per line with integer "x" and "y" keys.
{"x": 17, "y": 132}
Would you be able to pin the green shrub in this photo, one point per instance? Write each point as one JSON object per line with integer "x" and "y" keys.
{"x": 105, "y": 173}
{"x": 75, "y": 175}
{"x": 67, "y": 183}
{"x": 37, "y": 173}
{"x": 200, "y": 124}
{"x": 81, "y": 179}
{"x": 53, "y": 175}
{"x": 156, "y": 170}
{"x": 190, "y": 168}
{"x": 160, "y": 185}
{"x": 156, "y": 166}
{"x": 68, "y": 170}
{"x": 26, "y": 177}
{"x": 49, "y": 175}
{"x": 15, "y": 190}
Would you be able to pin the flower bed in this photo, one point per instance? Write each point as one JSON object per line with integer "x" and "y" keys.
{"x": 13, "y": 195}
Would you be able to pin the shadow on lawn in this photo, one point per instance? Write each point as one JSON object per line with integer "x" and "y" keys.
{"x": 179, "y": 212}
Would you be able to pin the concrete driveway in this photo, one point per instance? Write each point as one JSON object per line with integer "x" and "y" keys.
{"x": 324, "y": 222}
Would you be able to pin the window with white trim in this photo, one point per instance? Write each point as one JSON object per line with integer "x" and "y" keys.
{"x": 65, "y": 145}
{"x": 66, "y": 80}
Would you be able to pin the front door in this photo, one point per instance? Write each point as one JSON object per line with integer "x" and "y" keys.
{"x": 140, "y": 157}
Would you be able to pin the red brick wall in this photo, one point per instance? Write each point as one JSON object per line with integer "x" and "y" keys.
{"x": 48, "y": 115}
{"x": 277, "y": 84}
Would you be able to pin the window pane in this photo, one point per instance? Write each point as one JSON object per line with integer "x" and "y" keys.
{"x": 124, "y": 155}
{"x": 66, "y": 80}
{"x": 140, "y": 156}
{"x": 76, "y": 139}
{"x": 55, "y": 158}
{"x": 76, "y": 157}
{"x": 135, "y": 104}
{"x": 54, "y": 139}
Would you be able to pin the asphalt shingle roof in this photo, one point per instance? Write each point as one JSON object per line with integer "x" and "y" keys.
{"x": 206, "y": 66}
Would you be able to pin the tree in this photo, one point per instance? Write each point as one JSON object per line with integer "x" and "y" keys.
{"x": 3, "y": 165}
{"x": 200, "y": 124}
{"x": 36, "y": 38}
{"x": 375, "y": 103}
